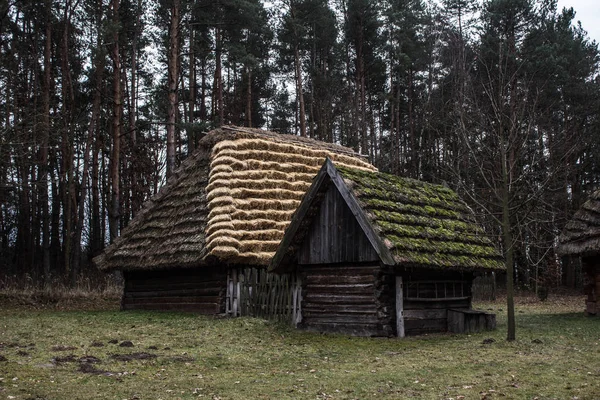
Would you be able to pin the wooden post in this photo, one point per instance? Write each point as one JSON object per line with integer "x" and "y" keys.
{"x": 399, "y": 307}
{"x": 228, "y": 295}
{"x": 234, "y": 295}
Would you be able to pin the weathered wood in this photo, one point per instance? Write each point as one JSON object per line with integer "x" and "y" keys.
{"x": 341, "y": 279}
{"x": 173, "y": 299}
{"x": 425, "y": 314}
{"x": 341, "y": 308}
{"x": 215, "y": 291}
{"x": 470, "y": 321}
{"x": 399, "y": 307}
{"x": 335, "y": 235}
{"x": 208, "y": 309}
{"x": 341, "y": 318}
{"x": 420, "y": 326}
{"x": 332, "y": 299}
{"x": 380, "y": 248}
{"x": 428, "y": 304}
{"x": 200, "y": 290}
{"x": 334, "y": 289}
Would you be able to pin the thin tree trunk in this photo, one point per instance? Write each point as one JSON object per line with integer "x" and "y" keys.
{"x": 43, "y": 178}
{"x": 249, "y": 98}
{"x": 193, "y": 89}
{"x": 97, "y": 102}
{"x": 508, "y": 242}
{"x": 67, "y": 178}
{"x": 300, "y": 94}
{"x": 219, "y": 78}
{"x": 114, "y": 214}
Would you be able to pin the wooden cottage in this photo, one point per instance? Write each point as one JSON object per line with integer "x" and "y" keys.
{"x": 222, "y": 215}
{"x": 581, "y": 238}
{"x": 380, "y": 255}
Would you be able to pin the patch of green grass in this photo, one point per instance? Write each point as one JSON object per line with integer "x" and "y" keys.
{"x": 185, "y": 356}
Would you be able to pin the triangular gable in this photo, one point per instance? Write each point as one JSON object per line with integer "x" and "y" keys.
{"x": 308, "y": 210}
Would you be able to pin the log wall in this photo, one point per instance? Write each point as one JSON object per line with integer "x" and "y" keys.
{"x": 352, "y": 299}
{"x": 200, "y": 290}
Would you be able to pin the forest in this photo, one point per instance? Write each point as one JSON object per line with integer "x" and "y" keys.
{"x": 100, "y": 100}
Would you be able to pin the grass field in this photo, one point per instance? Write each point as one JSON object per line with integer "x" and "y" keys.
{"x": 54, "y": 352}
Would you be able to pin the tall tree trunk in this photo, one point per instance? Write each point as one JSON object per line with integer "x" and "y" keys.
{"x": 249, "y": 97}
{"x": 67, "y": 178}
{"x": 299, "y": 92}
{"x": 43, "y": 178}
{"x": 92, "y": 127}
{"x": 114, "y": 214}
{"x": 173, "y": 69}
{"x": 508, "y": 241}
{"x": 193, "y": 89}
{"x": 218, "y": 86}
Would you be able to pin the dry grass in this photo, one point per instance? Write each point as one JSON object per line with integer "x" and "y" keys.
{"x": 86, "y": 293}
{"x": 185, "y": 356}
{"x": 264, "y": 175}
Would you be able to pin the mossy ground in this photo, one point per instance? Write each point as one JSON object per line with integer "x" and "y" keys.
{"x": 50, "y": 354}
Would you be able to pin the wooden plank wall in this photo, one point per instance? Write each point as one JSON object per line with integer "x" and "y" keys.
{"x": 199, "y": 290}
{"x": 335, "y": 236}
{"x": 347, "y": 298}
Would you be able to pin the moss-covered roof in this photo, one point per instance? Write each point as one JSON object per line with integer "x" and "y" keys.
{"x": 422, "y": 223}
{"x": 409, "y": 223}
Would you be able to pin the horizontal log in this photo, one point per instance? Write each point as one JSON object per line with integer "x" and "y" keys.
{"x": 340, "y": 308}
{"x": 212, "y": 291}
{"x": 362, "y": 288}
{"x": 339, "y": 319}
{"x": 341, "y": 279}
{"x": 172, "y": 299}
{"x": 208, "y": 309}
{"x": 439, "y": 313}
{"x": 166, "y": 284}
{"x": 413, "y": 327}
{"x": 341, "y": 269}
{"x": 428, "y": 305}
{"x": 328, "y": 299}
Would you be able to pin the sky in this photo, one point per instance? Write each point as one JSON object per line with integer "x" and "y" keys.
{"x": 588, "y": 12}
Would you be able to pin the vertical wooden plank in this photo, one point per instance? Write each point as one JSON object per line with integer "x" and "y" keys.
{"x": 399, "y": 307}
{"x": 298, "y": 301}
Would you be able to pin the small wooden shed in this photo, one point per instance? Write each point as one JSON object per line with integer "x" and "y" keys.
{"x": 218, "y": 221}
{"x": 380, "y": 255}
{"x": 581, "y": 238}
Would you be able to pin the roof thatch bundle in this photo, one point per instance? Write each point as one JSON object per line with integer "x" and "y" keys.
{"x": 230, "y": 201}
{"x": 581, "y": 235}
{"x": 408, "y": 222}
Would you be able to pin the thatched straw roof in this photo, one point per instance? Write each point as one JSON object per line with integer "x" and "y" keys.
{"x": 581, "y": 236}
{"x": 229, "y": 202}
{"x": 408, "y": 222}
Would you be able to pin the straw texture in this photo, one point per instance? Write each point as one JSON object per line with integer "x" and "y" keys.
{"x": 229, "y": 202}
{"x": 581, "y": 235}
